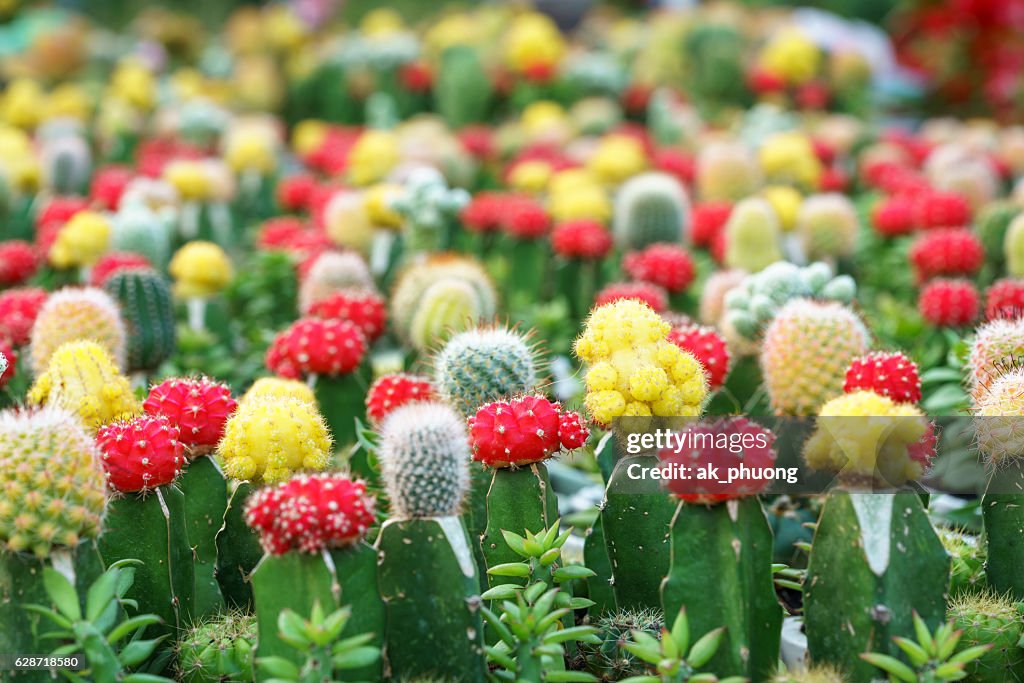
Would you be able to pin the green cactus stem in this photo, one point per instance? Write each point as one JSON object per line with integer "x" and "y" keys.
{"x": 206, "y": 500}
{"x": 434, "y": 626}
{"x": 728, "y": 581}
{"x": 238, "y": 550}
{"x": 874, "y": 561}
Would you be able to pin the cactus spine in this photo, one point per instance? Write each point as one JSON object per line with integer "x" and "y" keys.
{"x": 148, "y": 313}
{"x": 875, "y": 559}
{"x": 434, "y": 624}
{"x": 990, "y": 619}
{"x": 219, "y": 651}
{"x": 736, "y": 549}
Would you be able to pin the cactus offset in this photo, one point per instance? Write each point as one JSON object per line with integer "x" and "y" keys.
{"x": 650, "y": 208}
{"x": 968, "y": 556}
{"x": 73, "y": 315}
{"x": 219, "y": 651}
{"x": 148, "y": 313}
{"x": 807, "y": 349}
{"x": 81, "y": 377}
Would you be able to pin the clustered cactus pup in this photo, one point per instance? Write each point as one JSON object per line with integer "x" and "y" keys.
{"x": 312, "y": 529}
{"x": 433, "y": 621}
{"x": 875, "y": 560}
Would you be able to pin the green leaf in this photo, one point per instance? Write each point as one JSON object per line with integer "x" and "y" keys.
{"x": 353, "y": 642}
{"x": 505, "y": 591}
{"x": 924, "y": 637}
{"x": 680, "y": 632}
{"x": 101, "y": 593}
{"x": 950, "y": 671}
{"x": 534, "y": 591}
{"x": 970, "y": 654}
{"x": 647, "y": 654}
{"x": 494, "y": 621}
{"x": 138, "y": 651}
{"x": 356, "y": 658}
{"x": 572, "y": 633}
{"x": 569, "y": 677}
{"x": 581, "y": 603}
{"x": 705, "y": 648}
{"x": 515, "y": 542}
{"x": 501, "y": 658}
{"x": 550, "y": 556}
{"x": 551, "y": 534}
{"x": 278, "y": 667}
{"x": 292, "y": 629}
{"x": 572, "y": 572}
{"x": 518, "y": 569}
{"x": 146, "y": 678}
{"x": 131, "y": 625}
{"x": 890, "y": 665}
{"x": 53, "y": 616}
{"x": 915, "y": 653}
{"x": 62, "y": 593}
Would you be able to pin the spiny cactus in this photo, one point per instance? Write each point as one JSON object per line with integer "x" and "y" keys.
{"x": 992, "y": 223}
{"x": 752, "y": 236}
{"x": 315, "y": 346}
{"x": 269, "y": 438}
{"x": 483, "y": 365}
{"x": 73, "y": 314}
{"x": 82, "y": 378}
{"x": 714, "y": 56}
{"x": 46, "y": 456}
{"x": 424, "y": 460}
{"x": 139, "y": 229}
{"x": 968, "y": 557}
{"x": 66, "y": 161}
{"x": 141, "y": 454}
{"x": 331, "y": 272}
{"x": 989, "y": 619}
{"x": 814, "y": 674}
{"x": 445, "y": 307}
{"x": 726, "y": 171}
{"x": 650, "y": 208}
{"x": 389, "y": 392}
{"x": 416, "y": 281}
{"x": 148, "y": 314}
{"x": 607, "y": 659}
{"x": 998, "y": 423}
{"x": 827, "y": 225}
{"x": 198, "y": 406}
{"x": 807, "y": 349}
{"x": 279, "y": 387}
{"x": 750, "y": 306}
{"x": 998, "y": 347}
{"x": 219, "y": 650}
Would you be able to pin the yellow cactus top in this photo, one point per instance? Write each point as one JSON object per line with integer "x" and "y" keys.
{"x": 617, "y": 158}
{"x": 634, "y": 370}
{"x": 83, "y": 378}
{"x": 279, "y": 387}
{"x": 82, "y": 240}
{"x": 372, "y": 157}
{"x": 381, "y": 22}
{"x": 251, "y": 149}
{"x": 786, "y": 202}
{"x": 134, "y": 83}
{"x": 533, "y": 41}
{"x": 872, "y": 442}
{"x": 543, "y": 116}
{"x": 792, "y": 56}
{"x": 200, "y": 269}
{"x": 271, "y": 437}
{"x": 190, "y": 178}
{"x": 530, "y": 176}
{"x": 377, "y": 201}
{"x": 307, "y": 135}
{"x": 789, "y": 157}
{"x": 22, "y": 103}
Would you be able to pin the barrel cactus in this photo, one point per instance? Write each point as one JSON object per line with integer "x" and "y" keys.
{"x": 148, "y": 313}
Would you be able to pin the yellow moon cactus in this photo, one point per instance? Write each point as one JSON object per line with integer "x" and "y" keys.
{"x": 200, "y": 269}
{"x": 269, "y": 438}
{"x": 279, "y": 387}
{"x": 633, "y": 369}
{"x": 82, "y": 240}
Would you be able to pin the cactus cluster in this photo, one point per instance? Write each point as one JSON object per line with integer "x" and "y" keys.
{"x": 807, "y": 348}
{"x": 219, "y": 651}
{"x": 987, "y": 619}
{"x": 269, "y": 438}
{"x": 54, "y": 492}
{"x": 198, "y": 406}
{"x": 481, "y": 365}
{"x": 424, "y": 460}
{"x": 751, "y": 306}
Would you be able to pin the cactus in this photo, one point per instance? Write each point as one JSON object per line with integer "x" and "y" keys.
{"x": 827, "y": 225}
{"x": 278, "y": 387}
{"x": 650, "y": 208}
{"x": 997, "y": 348}
{"x": 139, "y": 229}
{"x": 331, "y": 272}
{"x": 997, "y": 419}
{"x": 726, "y": 172}
{"x": 446, "y": 307}
{"x": 434, "y": 624}
{"x": 268, "y": 439}
{"x": 238, "y": 549}
{"x": 714, "y": 54}
{"x": 148, "y": 313}
{"x": 754, "y": 302}
{"x": 606, "y": 659}
{"x": 323, "y": 556}
{"x": 993, "y": 620}
{"x": 485, "y": 364}
{"x": 219, "y": 651}
{"x": 806, "y": 351}
{"x": 875, "y": 560}
{"x": 81, "y": 377}
{"x": 736, "y": 544}
{"x": 1013, "y": 248}
{"x": 992, "y": 224}
{"x": 200, "y": 270}
{"x": 752, "y": 236}
{"x": 429, "y": 209}
{"x": 414, "y": 282}
{"x": 73, "y": 315}
{"x": 67, "y": 163}
{"x": 81, "y": 241}
{"x": 968, "y": 556}
{"x": 142, "y": 458}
